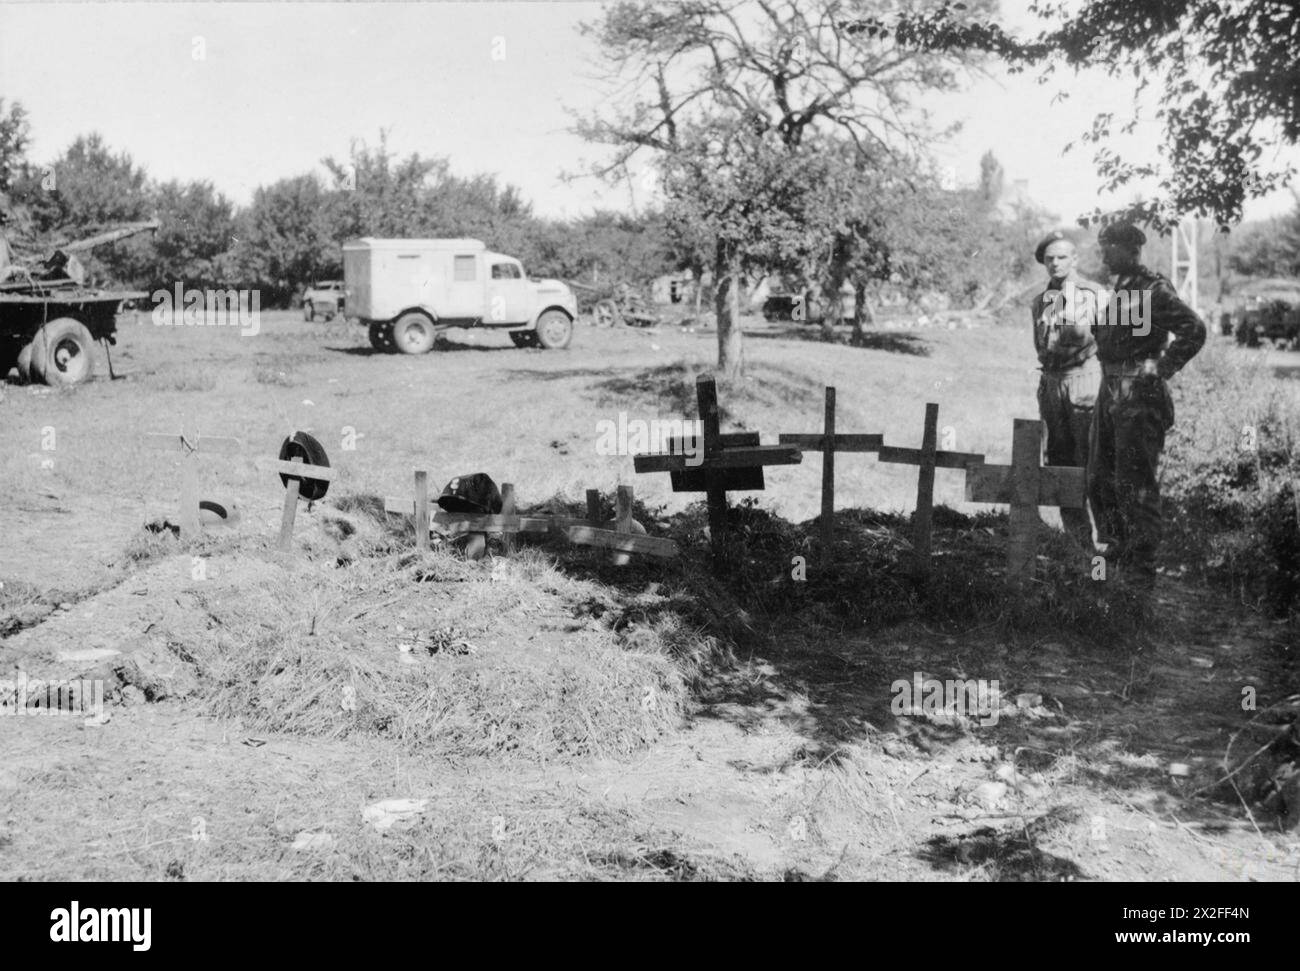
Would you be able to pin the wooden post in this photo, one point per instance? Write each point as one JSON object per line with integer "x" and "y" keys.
{"x": 828, "y": 479}
{"x": 290, "y": 508}
{"x": 622, "y": 521}
{"x": 1026, "y": 484}
{"x": 706, "y": 394}
{"x": 925, "y": 487}
{"x": 1024, "y": 520}
{"x": 421, "y": 510}
{"x": 188, "y": 511}
{"x": 593, "y": 506}
{"x": 508, "y": 509}
{"x": 929, "y": 458}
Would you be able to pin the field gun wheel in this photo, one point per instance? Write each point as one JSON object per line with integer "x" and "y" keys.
{"x": 606, "y": 314}
{"x": 62, "y": 353}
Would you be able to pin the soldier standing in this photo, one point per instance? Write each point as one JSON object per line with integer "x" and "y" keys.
{"x": 1064, "y": 316}
{"x": 1134, "y": 408}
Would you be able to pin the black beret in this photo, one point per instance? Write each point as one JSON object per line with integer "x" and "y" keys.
{"x": 1122, "y": 234}
{"x": 1055, "y": 236}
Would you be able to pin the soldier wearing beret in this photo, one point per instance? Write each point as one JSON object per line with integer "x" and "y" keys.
{"x": 1134, "y": 408}
{"x": 1064, "y": 316}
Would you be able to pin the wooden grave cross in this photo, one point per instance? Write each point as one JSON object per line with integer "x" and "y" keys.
{"x": 296, "y": 471}
{"x": 828, "y": 443}
{"x": 730, "y": 462}
{"x": 929, "y": 458}
{"x": 1026, "y": 484}
{"x": 189, "y": 448}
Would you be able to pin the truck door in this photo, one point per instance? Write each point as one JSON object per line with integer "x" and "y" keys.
{"x": 464, "y": 288}
{"x": 509, "y": 296}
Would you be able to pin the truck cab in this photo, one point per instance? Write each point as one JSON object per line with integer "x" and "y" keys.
{"x": 408, "y": 290}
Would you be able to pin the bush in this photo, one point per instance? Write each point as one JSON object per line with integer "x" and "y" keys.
{"x": 1230, "y": 477}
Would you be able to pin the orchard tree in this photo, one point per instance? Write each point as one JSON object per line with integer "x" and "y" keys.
{"x": 724, "y": 94}
{"x": 198, "y": 226}
{"x": 284, "y": 237}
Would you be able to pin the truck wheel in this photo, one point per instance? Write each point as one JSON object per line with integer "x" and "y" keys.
{"x": 62, "y": 353}
{"x": 381, "y": 335}
{"x": 414, "y": 333}
{"x": 554, "y": 330}
{"x": 308, "y": 311}
{"x": 524, "y": 338}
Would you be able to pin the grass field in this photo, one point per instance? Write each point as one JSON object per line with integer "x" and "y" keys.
{"x": 563, "y": 718}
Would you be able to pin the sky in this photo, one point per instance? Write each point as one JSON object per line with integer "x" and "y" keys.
{"x": 243, "y": 94}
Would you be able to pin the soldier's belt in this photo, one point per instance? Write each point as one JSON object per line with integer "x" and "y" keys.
{"x": 1088, "y": 366}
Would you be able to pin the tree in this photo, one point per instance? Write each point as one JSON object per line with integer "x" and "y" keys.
{"x": 15, "y": 135}
{"x": 1226, "y": 75}
{"x": 992, "y": 178}
{"x": 91, "y": 188}
{"x": 285, "y": 237}
{"x": 198, "y": 227}
{"x": 725, "y": 95}
{"x": 1268, "y": 248}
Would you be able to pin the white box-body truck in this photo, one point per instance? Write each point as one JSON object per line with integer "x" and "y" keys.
{"x": 408, "y": 290}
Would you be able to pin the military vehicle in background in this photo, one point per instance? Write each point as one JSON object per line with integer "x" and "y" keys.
{"x": 1265, "y": 311}
{"x": 324, "y": 298}
{"x": 407, "y": 291}
{"x": 50, "y": 319}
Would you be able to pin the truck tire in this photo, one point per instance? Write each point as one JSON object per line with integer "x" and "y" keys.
{"x": 62, "y": 353}
{"x": 524, "y": 338}
{"x": 414, "y": 333}
{"x": 554, "y": 330}
{"x": 308, "y": 311}
{"x": 381, "y": 335}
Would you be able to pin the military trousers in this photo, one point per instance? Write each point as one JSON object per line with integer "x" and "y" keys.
{"x": 1066, "y": 404}
{"x": 1134, "y": 410}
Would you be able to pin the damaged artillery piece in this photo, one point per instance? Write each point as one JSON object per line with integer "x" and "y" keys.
{"x": 50, "y": 318}
{"x": 621, "y": 305}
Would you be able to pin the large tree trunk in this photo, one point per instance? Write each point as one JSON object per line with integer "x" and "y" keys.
{"x": 832, "y": 305}
{"x": 863, "y": 315}
{"x": 726, "y": 304}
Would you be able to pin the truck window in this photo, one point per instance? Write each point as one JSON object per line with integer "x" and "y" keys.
{"x": 505, "y": 271}
{"x": 463, "y": 269}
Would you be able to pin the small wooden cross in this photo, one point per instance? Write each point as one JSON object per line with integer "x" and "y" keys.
{"x": 189, "y": 447}
{"x": 730, "y": 462}
{"x": 1026, "y": 485}
{"x": 929, "y": 458}
{"x": 296, "y": 470}
{"x": 828, "y": 443}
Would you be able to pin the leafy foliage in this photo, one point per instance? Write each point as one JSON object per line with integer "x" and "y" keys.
{"x": 1227, "y": 76}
